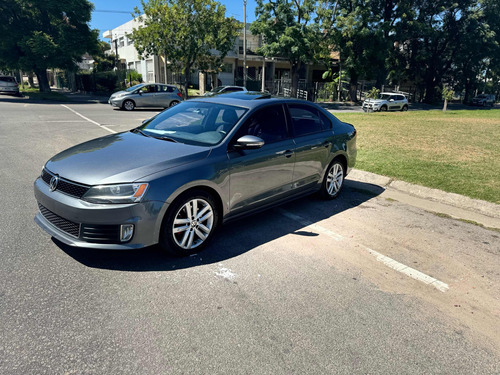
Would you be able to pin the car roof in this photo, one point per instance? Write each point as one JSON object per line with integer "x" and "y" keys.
{"x": 250, "y": 99}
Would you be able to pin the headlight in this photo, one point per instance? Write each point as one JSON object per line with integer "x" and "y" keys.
{"x": 123, "y": 193}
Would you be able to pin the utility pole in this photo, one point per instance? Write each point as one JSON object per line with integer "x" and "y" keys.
{"x": 245, "y": 43}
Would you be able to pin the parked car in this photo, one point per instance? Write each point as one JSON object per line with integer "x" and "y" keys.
{"x": 387, "y": 101}
{"x": 226, "y": 90}
{"x": 146, "y": 95}
{"x": 8, "y": 85}
{"x": 181, "y": 174}
{"x": 483, "y": 100}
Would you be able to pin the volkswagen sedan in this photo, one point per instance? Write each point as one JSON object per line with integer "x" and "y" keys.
{"x": 176, "y": 178}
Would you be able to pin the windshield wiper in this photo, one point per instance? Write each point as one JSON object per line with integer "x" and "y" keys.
{"x": 167, "y": 139}
{"x": 137, "y": 130}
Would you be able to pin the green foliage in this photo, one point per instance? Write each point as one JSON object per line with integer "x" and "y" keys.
{"x": 289, "y": 31}
{"x": 185, "y": 31}
{"x": 104, "y": 63}
{"x": 134, "y": 76}
{"x": 42, "y": 34}
{"x": 447, "y": 93}
{"x": 373, "y": 93}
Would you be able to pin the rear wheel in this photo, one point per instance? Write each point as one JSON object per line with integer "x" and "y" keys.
{"x": 128, "y": 105}
{"x": 190, "y": 223}
{"x": 173, "y": 102}
{"x": 333, "y": 181}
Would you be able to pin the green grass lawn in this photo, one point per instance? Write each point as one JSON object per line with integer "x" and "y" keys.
{"x": 455, "y": 151}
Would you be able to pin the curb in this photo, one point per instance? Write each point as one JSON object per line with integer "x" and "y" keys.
{"x": 452, "y": 199}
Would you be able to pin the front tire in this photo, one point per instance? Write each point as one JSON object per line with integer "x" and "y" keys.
{"x": 190, "y": 223}
{"x": 383, "y": 108}
{"x": 404, "y": 109}
{"x": 128, "y": 105}
{"x": 333, "y": 181}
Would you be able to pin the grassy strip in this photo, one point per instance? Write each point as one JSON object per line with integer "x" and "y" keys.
{"x": 34, "y": 93}
{"x": 455, "y": 151}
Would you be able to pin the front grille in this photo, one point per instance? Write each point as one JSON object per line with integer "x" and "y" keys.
{"x": 66, "y": 186}
{"x": 63, "y": 224}
{"x": 101, "y": 233}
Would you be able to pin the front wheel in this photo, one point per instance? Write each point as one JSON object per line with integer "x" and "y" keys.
{"x": 405, "y": 108}
{"x": 383, "y": 108}
{"x": 333, "y": 181}
{"x": 190, "y": 224}
{"x": 128, "y": 105}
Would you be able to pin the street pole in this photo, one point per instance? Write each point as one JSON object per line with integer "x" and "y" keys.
{"x": 245, "y": 43}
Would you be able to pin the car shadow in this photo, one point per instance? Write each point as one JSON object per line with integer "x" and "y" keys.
{"x": 234, "y": 238}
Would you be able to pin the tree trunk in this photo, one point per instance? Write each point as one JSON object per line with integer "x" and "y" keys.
{"x": 30, "y": 80}
{"x": 43, "y": 81}
{"x": 187, "y": 79}
{"x": 353, "y": 87}
{"x": 445, "y": 105}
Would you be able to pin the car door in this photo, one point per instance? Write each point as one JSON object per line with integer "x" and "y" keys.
{"x": 164, "y": 95}
{"x": 393, "y": 102}
{"x": 312, "y": 134}
{"x": 146, "y": 96}
{"x": 258, "y": 176}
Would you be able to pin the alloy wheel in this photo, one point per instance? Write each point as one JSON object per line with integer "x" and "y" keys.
{"x": 193, "y": 223}
{"x": 335, "y": 179}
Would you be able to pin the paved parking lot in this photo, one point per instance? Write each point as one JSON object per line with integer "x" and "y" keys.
{"x": 311, "y": 287}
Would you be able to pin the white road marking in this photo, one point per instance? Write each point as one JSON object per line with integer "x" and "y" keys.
{"x": 389, "y": 262}
{"x": 89, "y": 120}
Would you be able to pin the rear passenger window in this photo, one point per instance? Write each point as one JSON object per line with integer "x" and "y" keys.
{"x": 305, "y": 119}
{"x": 267, "y": 123}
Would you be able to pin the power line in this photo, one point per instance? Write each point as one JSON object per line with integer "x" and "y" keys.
{"x": 111, "y": 11}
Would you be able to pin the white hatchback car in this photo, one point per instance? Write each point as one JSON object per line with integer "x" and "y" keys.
{"x": 8, "y": 85}
{"x": 387, "y": 101}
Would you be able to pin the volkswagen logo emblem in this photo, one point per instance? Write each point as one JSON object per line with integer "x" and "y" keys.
{"x": 53, "y": 183}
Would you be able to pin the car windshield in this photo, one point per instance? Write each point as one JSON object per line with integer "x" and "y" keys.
{"x": 384, "y": 96}
{"x": 482, "y": 96}
{"x": 130, "y": 89}
{"x": 196, "y": 123}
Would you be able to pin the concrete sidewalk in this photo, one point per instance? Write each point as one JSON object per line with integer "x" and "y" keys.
{"x": 440, "y": 202}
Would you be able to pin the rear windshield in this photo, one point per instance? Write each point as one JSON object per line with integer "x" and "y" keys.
{"x": 8, "y": 79}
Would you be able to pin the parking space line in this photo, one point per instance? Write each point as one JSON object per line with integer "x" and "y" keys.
{"x": 389, "y": 262}
{"x": 89, "y": 120}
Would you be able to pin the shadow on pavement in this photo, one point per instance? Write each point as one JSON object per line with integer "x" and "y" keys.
{"x": 232, "y": 239}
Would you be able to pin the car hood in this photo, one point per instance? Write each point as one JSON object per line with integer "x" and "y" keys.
{"x": 120, "y": 93}
{"x": 374, "y": 101}
{"x": 123, "y": 157}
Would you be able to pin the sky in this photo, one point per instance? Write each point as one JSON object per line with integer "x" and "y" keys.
{"x": 107, "y": 16}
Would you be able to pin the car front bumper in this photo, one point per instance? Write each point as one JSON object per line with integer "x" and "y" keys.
{"x": 115, "y": 102}
{"x": 82, "y": 224}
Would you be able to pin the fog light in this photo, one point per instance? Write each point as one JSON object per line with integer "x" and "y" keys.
{"x": 126, "y": 232}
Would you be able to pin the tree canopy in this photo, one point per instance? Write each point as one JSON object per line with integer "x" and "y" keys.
{"x": 187, "y": 32}
{"x": 42, "y": 34}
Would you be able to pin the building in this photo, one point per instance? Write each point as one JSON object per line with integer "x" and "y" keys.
{"x": 155, "y": 68}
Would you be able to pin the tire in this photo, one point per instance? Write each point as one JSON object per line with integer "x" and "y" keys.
{"x": 383, "y": 108}
{"x": 183, "y": 233}
{"x": 128, "y": 105}
{"x": 173, "y": 102}
{"x": 333, "y": 181}
{"x": 404, "y": 109}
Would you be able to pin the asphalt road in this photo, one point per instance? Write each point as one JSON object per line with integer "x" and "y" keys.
{"x": 300, "y": 289}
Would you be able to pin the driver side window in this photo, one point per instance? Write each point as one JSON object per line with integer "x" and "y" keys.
{"x": 268, "y": 123}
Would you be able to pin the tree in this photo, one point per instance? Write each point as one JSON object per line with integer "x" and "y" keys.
{"x": 42, "y": 34}
{"x": 354, "y": 29}
{"x": 289, "y": 31}
{"x": 185, "y": 31}
{"x": 447, "y": 95}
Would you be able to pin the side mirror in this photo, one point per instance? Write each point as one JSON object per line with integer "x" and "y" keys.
{"x": 391, "y": 100}
{"x": 249, "y": 142}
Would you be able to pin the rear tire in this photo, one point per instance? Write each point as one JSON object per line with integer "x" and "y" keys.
{"x": 190, "y": 223}
{"x": 333, "y": 181}
{"x": 173, "y": 103}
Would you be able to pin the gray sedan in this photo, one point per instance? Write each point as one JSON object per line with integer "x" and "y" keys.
{"x": 146, "y": 95}
{"x": 173, "y": 180}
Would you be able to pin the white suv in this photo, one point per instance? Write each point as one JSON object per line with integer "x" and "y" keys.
{"x": 386, "y": 101}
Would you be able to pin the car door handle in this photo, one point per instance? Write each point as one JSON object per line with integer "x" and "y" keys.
{"x": 287, "y": 153}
